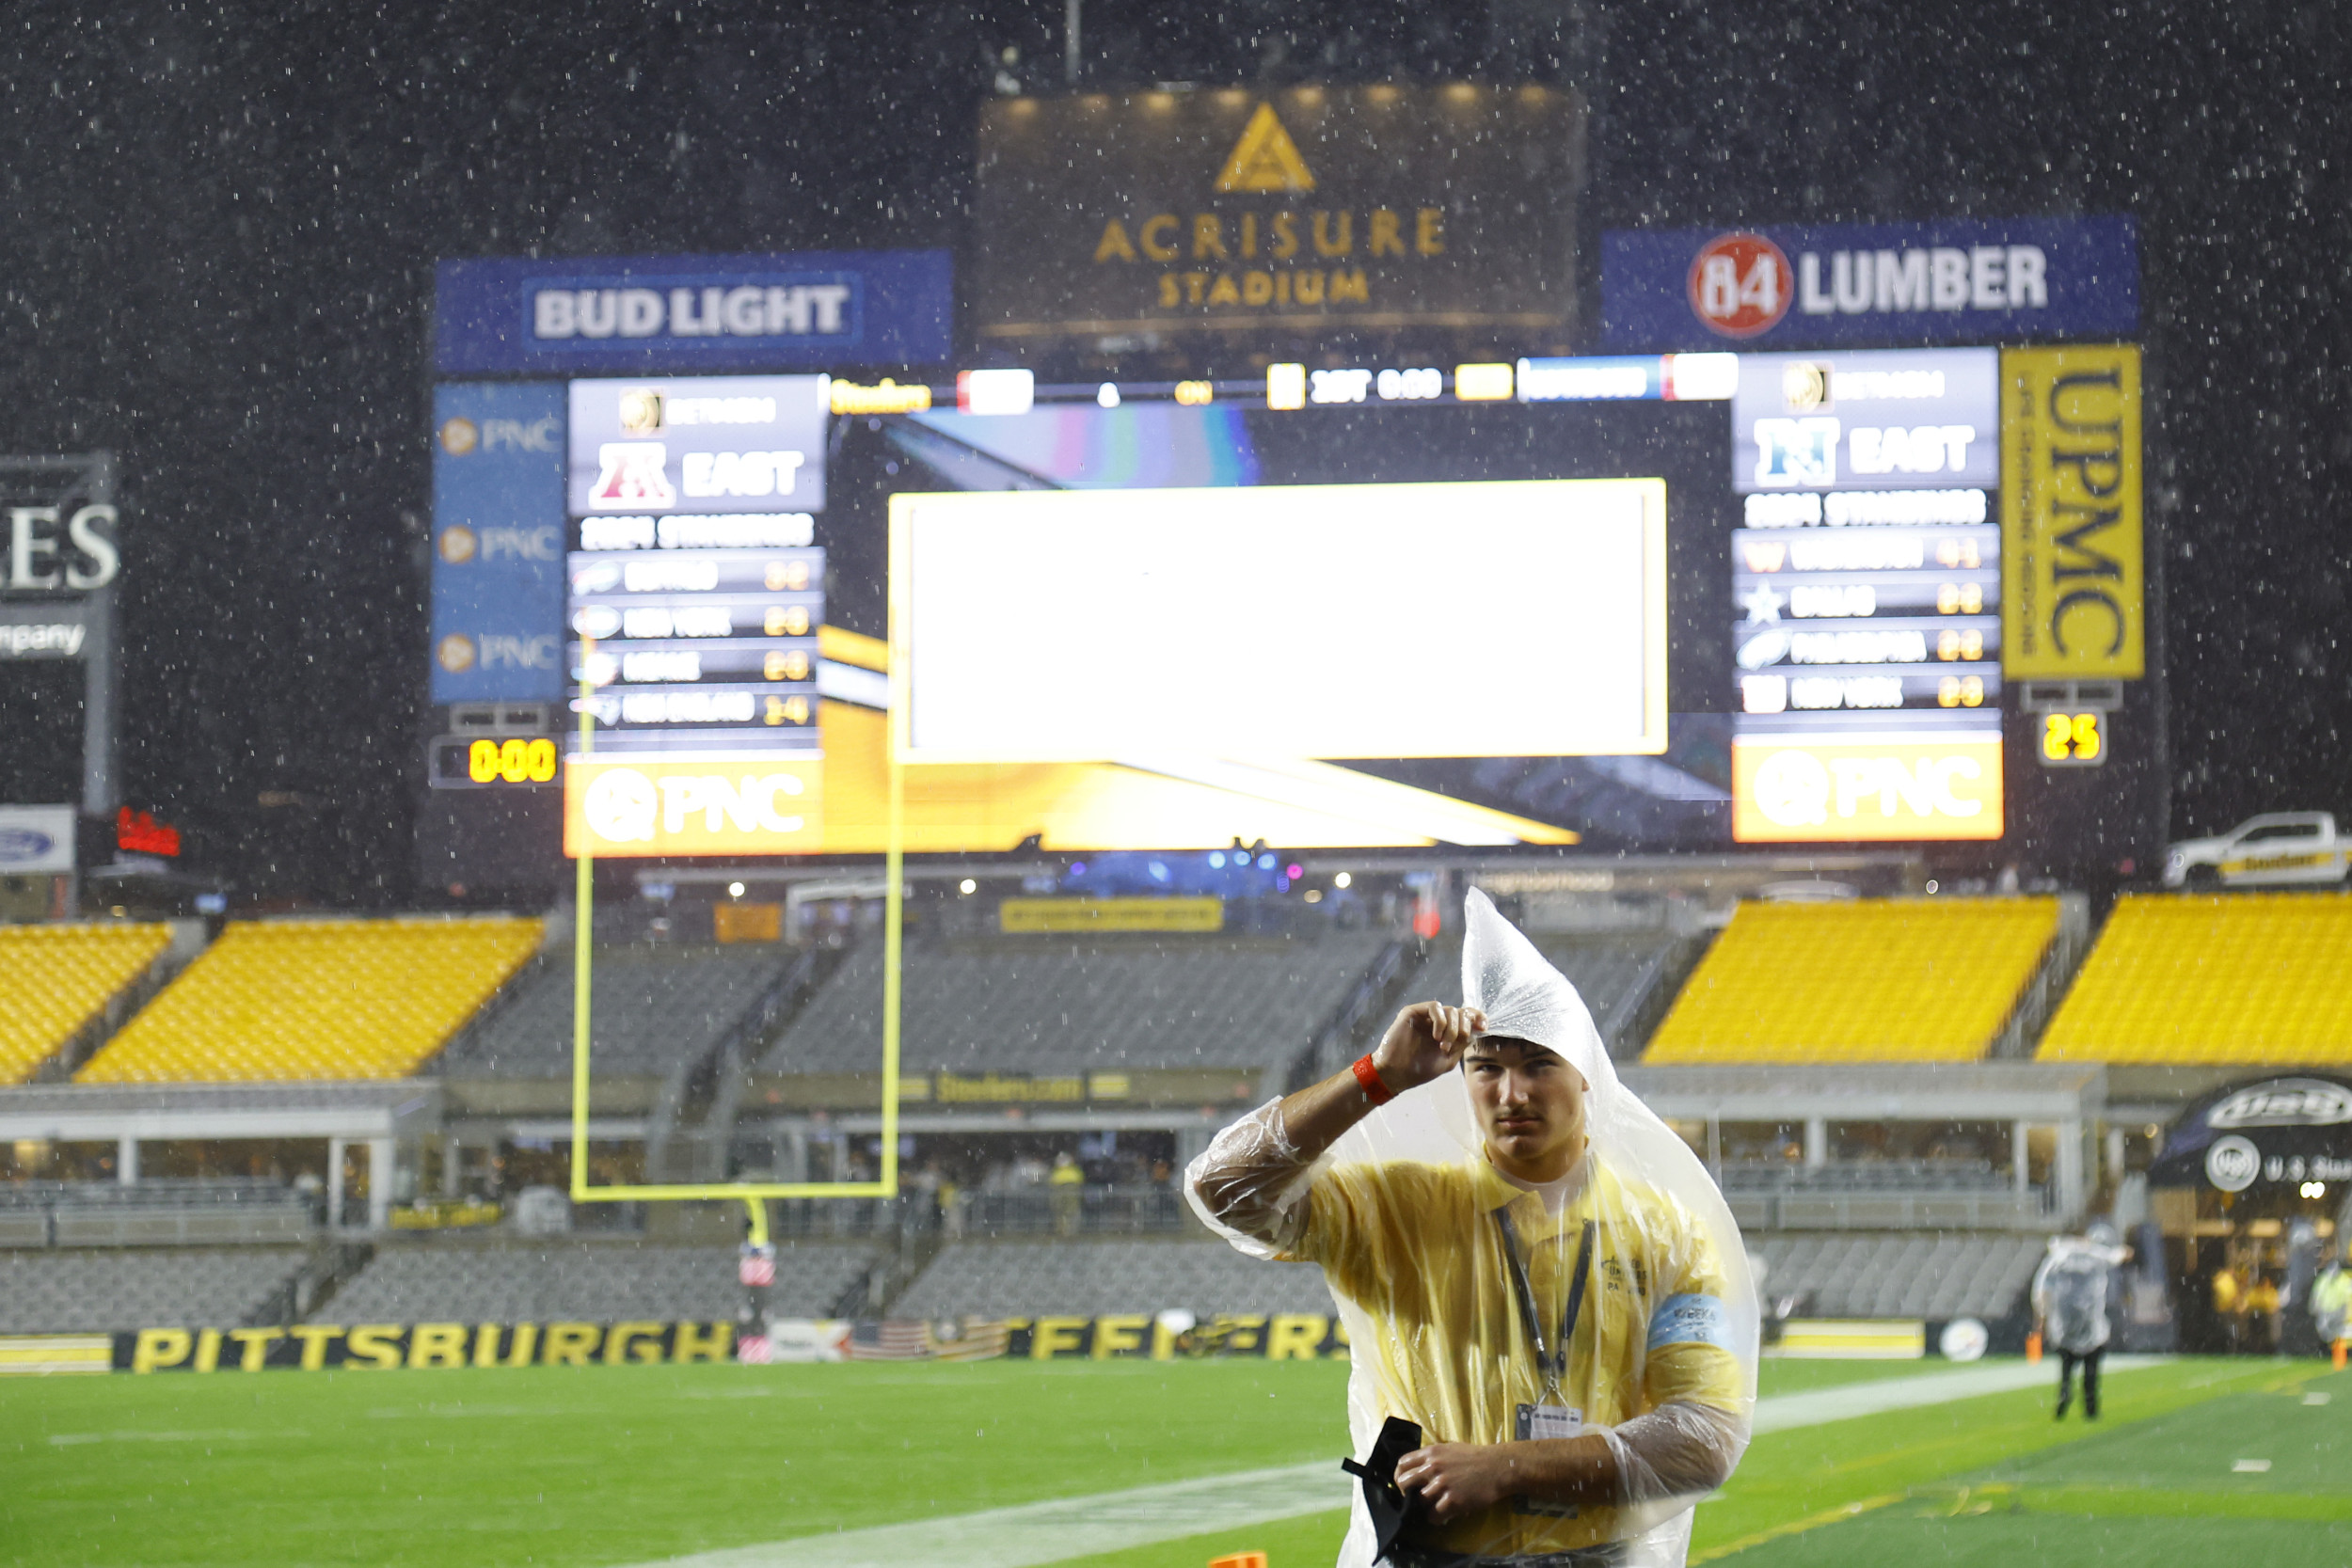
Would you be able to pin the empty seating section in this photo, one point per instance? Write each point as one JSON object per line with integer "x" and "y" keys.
{"x": 651, "y": 1008}
{"x": 132, "y": 1288}
{"x": 584, "y": 1282}
{"x": 1061, "y": 1007}
{"x": 2214, "y": 978}
{"x": 1919, "y": 1274}
{"x": 1873, "y": 980}
{"x": 320, "y": 999}
{"x": 1618, "y": 976}
{"x": 55, "y": 980}
{"x": 1016, "y": 1280}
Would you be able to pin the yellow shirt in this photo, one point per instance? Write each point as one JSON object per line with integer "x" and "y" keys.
{"x": 1416, "y": 1247}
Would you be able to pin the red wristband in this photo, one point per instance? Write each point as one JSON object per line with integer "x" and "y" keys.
{"x": 1368, "y": 1077}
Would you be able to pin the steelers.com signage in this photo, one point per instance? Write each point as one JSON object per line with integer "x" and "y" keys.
{"x": 497, "y": 542}
{"x": 1299, "y": 209}
{"x": 623, "y": 314}
{"x": 1957, "y": 281}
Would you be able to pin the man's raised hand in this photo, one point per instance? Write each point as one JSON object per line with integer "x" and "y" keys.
{"x": 1425, "y": 1043}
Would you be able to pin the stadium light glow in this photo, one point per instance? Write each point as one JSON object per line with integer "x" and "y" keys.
{"x": 1342, "y": 879}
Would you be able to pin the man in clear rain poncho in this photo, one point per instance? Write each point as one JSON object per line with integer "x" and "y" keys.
{"x": 2070, "y": 1307}
{"x": 1530, "y": 1265}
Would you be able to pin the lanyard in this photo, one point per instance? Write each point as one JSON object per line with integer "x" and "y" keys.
{"x": 1552, "y": 1362}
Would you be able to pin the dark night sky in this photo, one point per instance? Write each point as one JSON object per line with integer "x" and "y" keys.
{"x": 220, "y": 222}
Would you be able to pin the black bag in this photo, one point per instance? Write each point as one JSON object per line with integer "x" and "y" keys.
{"x": 1391, "y": 1509}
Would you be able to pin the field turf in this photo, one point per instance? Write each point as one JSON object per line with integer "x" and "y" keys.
{"x": 624, "y": 1465}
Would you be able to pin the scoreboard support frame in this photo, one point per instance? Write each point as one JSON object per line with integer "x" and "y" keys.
{"x": 751, "y": 1194}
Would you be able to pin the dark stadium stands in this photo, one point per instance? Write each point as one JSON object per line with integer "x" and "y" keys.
{"x": 102, "y": 1213}
{"x": 468, "y": 1281}
{"x": 118, "y": 1289}
{"x": 1061, "y": 1007}
{"x": 653, "y": 1008}
{"x": 1000, "y": 1279}
{"x": 1916, "y": 1275}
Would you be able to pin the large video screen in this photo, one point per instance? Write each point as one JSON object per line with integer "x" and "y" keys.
{"x": 1088, "y": 627}
{"x": 1648, "y": 603}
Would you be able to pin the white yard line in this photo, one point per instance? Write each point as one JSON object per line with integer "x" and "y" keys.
{"x": 1038, "y": 1533}
{"x": 1787, "y": 1412}
{"x": 1035, "y": 1535}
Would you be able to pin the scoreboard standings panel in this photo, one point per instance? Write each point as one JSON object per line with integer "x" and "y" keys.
{"x": 695, "y": 598}
{"x": 1866, "y": 584}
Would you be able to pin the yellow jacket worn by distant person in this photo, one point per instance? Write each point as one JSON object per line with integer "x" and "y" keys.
{"x": 1416, "y": 1248}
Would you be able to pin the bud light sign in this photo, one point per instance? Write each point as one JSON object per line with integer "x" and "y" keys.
{"x": 621, "y": 314}
{"x": 1960, "y": 280}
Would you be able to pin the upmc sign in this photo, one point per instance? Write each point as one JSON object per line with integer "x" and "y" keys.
{"x": 628, "y": 314}
{"x": 1955, "y": 282}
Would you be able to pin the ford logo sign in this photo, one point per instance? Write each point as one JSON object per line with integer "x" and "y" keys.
{"x": 20, "y": 845}
{"x": 2284, "y": 1103}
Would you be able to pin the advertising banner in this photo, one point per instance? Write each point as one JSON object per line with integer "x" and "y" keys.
{"x": 1955, "y": 280}
{"x": 386, "y": 1347}
{"x": 497, "y": 542}
{"x": 1164, "y": 1336}
{"x": 711, "y": 803}
{"x": 617, "y": 314}
{"x": 1837, "y": 788}
{"x": 2074, "y": 592}
{"x": 36, "y": 840}
{"x": 1301, "y": 210}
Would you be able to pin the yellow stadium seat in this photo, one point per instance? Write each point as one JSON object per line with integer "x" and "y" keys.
{"x": 2250, "y": 978}
{"x": 55, "y": 980}
{"x": 1873, "y": 980}
{"x": 317, "y": 999}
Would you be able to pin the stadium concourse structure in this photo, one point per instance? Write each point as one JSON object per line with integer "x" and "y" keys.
{"x": 1902, "y": 1090}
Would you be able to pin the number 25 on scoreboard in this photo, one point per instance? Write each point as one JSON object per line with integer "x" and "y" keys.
{"x": 2074, "y": 739}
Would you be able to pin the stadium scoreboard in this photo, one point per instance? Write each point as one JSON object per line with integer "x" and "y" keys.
{"x": 1673, "y": 601}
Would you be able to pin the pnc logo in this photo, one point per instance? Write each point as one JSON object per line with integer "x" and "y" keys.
{"x": 1740, "y": 285}
{"x": 458, "y": 545}
{"x": 625, "y": 805}
{"x": 459, "y": 437}
{"x": 455, "y": 652}
{"x": 1799, "y": 790}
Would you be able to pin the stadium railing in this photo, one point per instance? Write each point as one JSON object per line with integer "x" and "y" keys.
{"x": 154, "y": 1213}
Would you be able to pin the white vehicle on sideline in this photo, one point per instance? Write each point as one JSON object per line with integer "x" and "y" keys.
{"x": 2279, "y": 848}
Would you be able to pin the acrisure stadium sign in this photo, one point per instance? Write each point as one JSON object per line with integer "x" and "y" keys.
{"x": 1299, "y": 211}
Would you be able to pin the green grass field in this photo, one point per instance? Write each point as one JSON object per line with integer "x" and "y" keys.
{"x": 627, "y": 1465}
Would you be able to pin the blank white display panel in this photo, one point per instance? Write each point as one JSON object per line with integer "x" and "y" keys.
{"x": 1331, "y": 622}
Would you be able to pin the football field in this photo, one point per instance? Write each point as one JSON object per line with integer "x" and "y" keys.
{"x": 1155, "y": 1465}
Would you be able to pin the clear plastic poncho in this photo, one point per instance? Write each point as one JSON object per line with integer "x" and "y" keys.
{"x": 1252, "y": 1187}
